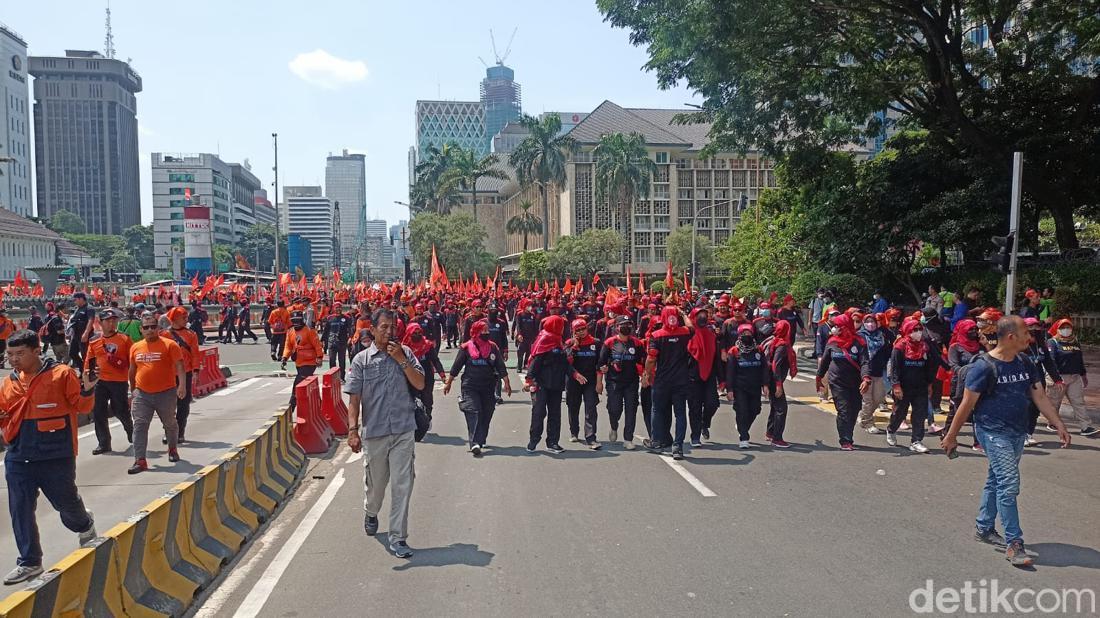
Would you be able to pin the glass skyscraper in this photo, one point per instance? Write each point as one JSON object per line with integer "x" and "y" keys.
{"x": 500, "y": 96}
{"x": 346, "y": 183}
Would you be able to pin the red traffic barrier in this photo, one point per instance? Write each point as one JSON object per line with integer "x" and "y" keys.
{"x": 310, "y": 430}
{"x": 333, "y": 409}
{"x": 210, "y": 376}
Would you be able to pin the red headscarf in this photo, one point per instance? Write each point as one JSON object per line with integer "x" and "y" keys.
{"x": 671, "y": 323}
{"x": 550, "y": 337}
{"x": 702, "y": 347}
{"x": 422, "y": 347}
{"x": 959, "y": 338}
{"x": 847, "y": 335}
{"x": 914, "y": 350}
{"x": 475, "y": 347}
{"x": 1053, "y": 332}
{"x": 783, "y": 336}
{"x": 588, "y": 339}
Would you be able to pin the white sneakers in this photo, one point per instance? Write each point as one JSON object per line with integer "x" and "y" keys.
{"x": 744, "y": 444}
{"x": 628, "y": 445}
{"x": 917, "y": 447}
{"x": 891, "y": 438}
{"x": 874, "y": 431}
{"x": 613, "y": 436}
{"x": 90, "y": 534}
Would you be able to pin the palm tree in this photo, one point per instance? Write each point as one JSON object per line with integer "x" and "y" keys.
{"x": 428, "y": 189}
{"x": 466, "y": 169}
{"x": 540, "y": 159}
{"x": 623, "y": 173}
{"x": 524, "y": 223}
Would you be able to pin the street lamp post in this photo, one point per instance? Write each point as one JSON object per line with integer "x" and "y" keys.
{"x": 275, "y": 266}
{"x": 694, "y": 225}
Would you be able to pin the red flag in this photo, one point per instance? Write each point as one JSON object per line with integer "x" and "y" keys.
{"x": 336, "y": 278}
{"x": 595, "y": 280}
{"x": 670, "y": 282}
{"x": 686, "y": 287}
{"x": 641, "y": 283}
{"x": 628, "y": 279}
{"x": 537, "y": 285}
{"x": 568, "y": 287}
{"x": 195, "y": 281}
{"x": 612, "y": 296}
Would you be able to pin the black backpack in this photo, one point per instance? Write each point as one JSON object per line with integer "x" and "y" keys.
{"x": 958, "y": 383}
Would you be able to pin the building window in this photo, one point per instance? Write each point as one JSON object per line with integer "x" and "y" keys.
{"x": 660, "y": 222}
{"x": 642, "y": 238}
{"x": 180, "y": 190}
{"x": 175, "y": 215}
{"x": 661, "y": 207}
{"x": 662, "y": 157}
{"x": 659, "y": 254}
{"x": 685, "y": 194}
{"x": 641, "y": 222}
{"x": 176, "y": 228}
{"x": 641, "y": 254}
{"x": 175, "y": 204}
{"x": 642, "y": 208}
{"x": 683, "y": 164}
{"x": 660, "y": 192}
{"x": 181, "y": 178}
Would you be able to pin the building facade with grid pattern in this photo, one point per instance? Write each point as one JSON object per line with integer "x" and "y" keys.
{"x": 451, "y": 122}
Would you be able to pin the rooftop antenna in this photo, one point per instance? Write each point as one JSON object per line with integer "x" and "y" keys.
{"x": 507, "y": 50}
{"x": 109, "y": 40}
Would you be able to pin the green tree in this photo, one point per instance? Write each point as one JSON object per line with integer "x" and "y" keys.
{"x": 224, "y": 258}
{"x": 623, "y": 174}
{"x": 534, "y": 266}
{"x": 765, "y": 251}
{"x": 65, "y": 222}
{"x": 123, "y": 263}
{"x": 99, "y": 246}
{"x": 540, "y": 160}
{"x": 467, "y": 169}
{"x": 526, "y": 223}
{"x": 139, "y": 242}
{"x": 679, "y": 250}
{"x": 429, "y": 193}
{"x": 786, "y": 73}
{"x": 261, "y": 237}
{"x": 584, "y": 255}
{"x": 459, "y": 243}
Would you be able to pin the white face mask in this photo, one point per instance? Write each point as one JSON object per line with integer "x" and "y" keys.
{"x": 1065, "y": 332}
{"x": 916, "y": 335}
{"x": 834, "y": 331}
{"x": 870, "y": 327}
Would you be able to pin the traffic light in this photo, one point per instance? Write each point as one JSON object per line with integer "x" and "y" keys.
{"x": 1002, "y": 261}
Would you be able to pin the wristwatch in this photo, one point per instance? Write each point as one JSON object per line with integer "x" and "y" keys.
{"x": 406, "y": 364}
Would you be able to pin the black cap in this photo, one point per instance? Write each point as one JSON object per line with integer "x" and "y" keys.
{"x": 80, "y": 295}
{"x": 108, "y": 314}
{"x": 929, "y": 312}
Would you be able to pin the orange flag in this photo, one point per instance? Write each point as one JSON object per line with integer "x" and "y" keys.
{"x": 627, "y": 279}
{"x": 641, "y": 283}
{"x": 670, "y": 281}
{"x": 595, "y": 280}
{"x": 568, "y": 287}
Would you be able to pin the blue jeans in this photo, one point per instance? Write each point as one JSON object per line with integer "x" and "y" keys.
{"x": 1003, "y": 483}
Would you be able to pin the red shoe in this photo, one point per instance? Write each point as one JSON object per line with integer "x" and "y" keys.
{"x": 847, "y": 446}
{"x": 139, "y": 466}
{"x": 173, "y": 455}
{"x": 768, "y": 437}
{"x": 780, "y": 443}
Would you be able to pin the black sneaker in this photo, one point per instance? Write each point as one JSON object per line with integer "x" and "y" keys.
{"x": 99, "y": 450}
{"x": 706, "y": 434}
{"x": 652, "y": 445}
{"x": 555, "y": 448}
{"x": 476, "y": 450}
{"x": 990, "y": 537}
{"x": 531, "y": 446}
{"x": 370, "y": 525}
{"x": 401, "y": 549}
{"x": 678, "y": 453}
{"x": 1017, "y": 555}
{"x": 696, "y": 443}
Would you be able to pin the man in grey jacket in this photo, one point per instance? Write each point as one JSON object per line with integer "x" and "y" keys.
{"x": 378, "y": 386}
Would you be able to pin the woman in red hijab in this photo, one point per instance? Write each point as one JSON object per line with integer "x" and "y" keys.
{"x": 848, "y": 367}
{"x": 424, "y": 350}
{"x": 545, "y": 380}
{"x": 913, "y": 366}
{"x": 964, "y": 347}
{"x": 782, "y": 363}
{"x": 484, "y": 368}
{"x": 703, "y": 374}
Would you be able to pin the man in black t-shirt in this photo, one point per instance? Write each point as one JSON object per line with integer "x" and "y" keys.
{"x": 79, "y": 329}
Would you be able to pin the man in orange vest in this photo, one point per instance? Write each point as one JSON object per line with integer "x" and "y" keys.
{"x": 108, "y": 358}
{"x": 304, "y": 348}
{"x": 157, "y": 380}
{"x": 188, "y": 342}
{"x": 39, "y": 404}
{"x": 279, "y": 321}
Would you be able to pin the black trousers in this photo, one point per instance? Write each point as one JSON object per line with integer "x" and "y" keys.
{"x": 847, "y": 400}
{"x": 746, "y": 407}
{"x": 338, "y": 353}
{"x": 478, "y": 405}
{"x": 267, "y": 331}
{"x": 915, "y": 401}
{"x": 523, "y": 350}
{"x": 76, "y": 353}
{"x": 669, "y": 402}
{"x": 303, "y": 373}
{"x": 546, "y": 405}
{"x": 230, "y": 333}
{"x": 645, "y": 395}
{"x": 575, "y": 394}
{"x": 622, "y": 397}
{"x": 937, "y": 395}
{"x": 56, "y": 478}
{"x": 245, "y": 330}
{"x": 183, "y": 406}
{"x": 427, "y": 396}
{"x": 452, "y": 336}
{"x": 111, "y": 399}
{"x": 277, "y": 342}
{"x": 702, "y": 403}
{"x": 777, "y": 414}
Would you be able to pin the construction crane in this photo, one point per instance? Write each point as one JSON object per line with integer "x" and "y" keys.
{"x": 507, "y": 50}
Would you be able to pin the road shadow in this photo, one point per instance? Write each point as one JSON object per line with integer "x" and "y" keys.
{"x": 432, "y": 438}
{"x": 747, "y": 458}
{"x": 1065, "y": 555}
{"x": 519, "y": 451}
{"x": 181, "y": 466}
{"x": 466, "y": 554}
{"x": 218, "y": 446}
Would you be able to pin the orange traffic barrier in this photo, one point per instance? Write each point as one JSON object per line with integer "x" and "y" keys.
{"x": 333, "y": 409}
{"x": 210, "y": 376}
{"x": 310, "y": 430}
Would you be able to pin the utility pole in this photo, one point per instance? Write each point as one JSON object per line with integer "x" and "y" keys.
{"x": 275, "y": 266}
{"x": 1014, "y": 229}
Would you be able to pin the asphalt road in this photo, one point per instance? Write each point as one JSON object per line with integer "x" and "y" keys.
{"x": 217, "y": 422}
{"x": 810, "y": 531}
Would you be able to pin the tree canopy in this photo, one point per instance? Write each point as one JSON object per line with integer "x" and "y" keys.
{"x": 459, "y": 243}
{"x": 65, "y": 222}
{"x": 585, "y": 255}
{"x": 679, "y": 250}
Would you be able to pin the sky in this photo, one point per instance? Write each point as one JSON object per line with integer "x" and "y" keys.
{"x": 327, "y": 75}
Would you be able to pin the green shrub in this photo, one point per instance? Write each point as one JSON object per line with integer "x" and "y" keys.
{"x": 805, "y": 284}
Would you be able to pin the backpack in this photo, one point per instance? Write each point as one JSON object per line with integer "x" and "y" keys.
{"x": 958, "y": 383}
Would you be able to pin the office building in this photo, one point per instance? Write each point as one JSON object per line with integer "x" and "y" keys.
{"x": 346, "y": 185}
{"x": 311, "y": 215}
{"x": 399, "y": 233}
{"x": 15, "y": 141}
{"x": 263, "y": 209}
{"x": 450, "y": 122}
{"x": 509, "y": 138}
{"x": 299, "y": 254}
{"x": 243, "y": 194}
{"x": 86, "y": 139}
{"x": 208, "y": 180}
{"x": 501, "y": 100}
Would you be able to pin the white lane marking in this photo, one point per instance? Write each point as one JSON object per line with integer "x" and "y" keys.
{"x": 354, "y": 457}
{"x": 286, "y": 391}
{"x": 236, "y": 387}
{"x": 112, "y": 425}
{"x": 257, "y": 598}
{"x": 689, "y": 477}
{"x": 271, "y": 540}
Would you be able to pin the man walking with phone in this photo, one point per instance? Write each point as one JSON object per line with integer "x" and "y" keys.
{"x": 1000, "y": 385}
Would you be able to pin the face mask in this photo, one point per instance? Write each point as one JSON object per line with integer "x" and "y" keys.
{"x": 625, "y": 330}
{"x": 493, "y": 314}
{"x": 916, "y": 335}
{"x": 701, "y": 322}
{"x": 870, "y": 327}
{"x": 418, "y": 338}
{"x": 834, "y": 331}
{"x": 924, "y": 320}
{"x": 972, "y": 335}
{"x": 767, "y": 313}
{"x": 483, "y": 336}
{"x": 1065, "y": 332}
{"x": 746, "y": 340}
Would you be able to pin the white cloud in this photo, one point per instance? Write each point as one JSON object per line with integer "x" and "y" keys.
{"x": 321, "y": 68}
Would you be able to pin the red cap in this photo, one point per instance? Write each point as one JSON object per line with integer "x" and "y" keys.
{"x": 579, "y": 323}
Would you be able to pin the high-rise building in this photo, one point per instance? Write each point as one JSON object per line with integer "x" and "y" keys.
{"x": 244, "y": 188}
{"x": 451, "y": 122}
{"x": 209, "y": 180}
{"x": 346, "y": 184}
{"x": 86, "y": 139}
{"x": 311, "y": 215}
{"x": 264, "y": 209}
{"x": 500, "y": 97}
{"x": 15, "y": 141}
{"x": 400, "y": 250}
